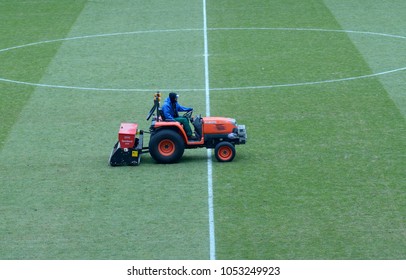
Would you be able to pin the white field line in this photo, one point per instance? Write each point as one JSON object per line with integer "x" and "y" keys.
{"x": 205, "y": 29}
{"x": 212, "y": 237}
{"x": 207, "y": 84}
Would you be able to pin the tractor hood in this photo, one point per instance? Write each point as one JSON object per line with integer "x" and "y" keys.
{"x": 219, "y": 120}
{"x": 224, "y": 128}
{"x": 218, "y": 125}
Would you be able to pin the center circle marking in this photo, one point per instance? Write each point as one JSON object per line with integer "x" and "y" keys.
{"x": 201, "y": 89}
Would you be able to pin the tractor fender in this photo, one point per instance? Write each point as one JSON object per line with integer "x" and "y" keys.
{"x": 176, "y": 126}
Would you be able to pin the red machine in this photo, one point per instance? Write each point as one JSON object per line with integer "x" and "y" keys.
{"x": 168, "y": 139}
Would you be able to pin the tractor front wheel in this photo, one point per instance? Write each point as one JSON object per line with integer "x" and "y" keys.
{"x": 224, "y": 151}
{"x": 166, "y": 146}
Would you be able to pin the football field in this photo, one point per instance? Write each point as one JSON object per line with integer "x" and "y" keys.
{"x": 319, "y": 84}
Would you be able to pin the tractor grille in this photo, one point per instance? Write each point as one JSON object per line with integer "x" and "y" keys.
{"x": 242, "y": 133}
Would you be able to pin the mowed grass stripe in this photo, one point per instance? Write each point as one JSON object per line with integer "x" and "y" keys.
{"x": 380, "y": 54}
{"x": 322, "y": 176}
{"x": 68, "y": 203}
{"x": 26, "y": 22}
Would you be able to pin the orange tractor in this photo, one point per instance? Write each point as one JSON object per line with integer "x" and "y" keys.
{"x": 168, "y": 139}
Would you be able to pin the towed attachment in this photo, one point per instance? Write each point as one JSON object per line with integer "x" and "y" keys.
{"x": 128, "y": 149}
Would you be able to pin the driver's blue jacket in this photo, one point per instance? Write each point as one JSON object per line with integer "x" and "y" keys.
{"x": 170, "y": 112}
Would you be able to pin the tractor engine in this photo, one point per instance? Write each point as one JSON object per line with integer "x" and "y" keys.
{"x": 224, "y": 129}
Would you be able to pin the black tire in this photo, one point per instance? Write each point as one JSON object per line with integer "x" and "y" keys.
{"x": 166, "y": 146}
{"x": 224, "y": 152}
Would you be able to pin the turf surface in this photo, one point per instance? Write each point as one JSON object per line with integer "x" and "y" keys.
{"x": 322, "y": 176}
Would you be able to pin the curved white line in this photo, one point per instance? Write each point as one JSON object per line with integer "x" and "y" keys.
{"x": 313, "y": 83}
{"x": 203, "y": 89}
{"x": 98, "y": 36}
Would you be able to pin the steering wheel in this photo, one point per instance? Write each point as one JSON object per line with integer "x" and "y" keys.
{"x": 188, "y": 114}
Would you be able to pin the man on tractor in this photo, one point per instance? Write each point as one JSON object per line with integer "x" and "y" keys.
{"x": 170, "y": 110}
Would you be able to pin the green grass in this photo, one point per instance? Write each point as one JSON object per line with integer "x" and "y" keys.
{"x": 323, "y": 174}
{"x": 321, "y": 177}
{"x": 322, "y": 183}
{"x": 24, "y": 23}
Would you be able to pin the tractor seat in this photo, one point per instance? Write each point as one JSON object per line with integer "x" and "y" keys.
{"x": 161, "y": 114}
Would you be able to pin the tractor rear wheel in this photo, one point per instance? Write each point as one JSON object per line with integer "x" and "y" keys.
{"x": 166, "y": 146}
{"x": 224, "y": 151}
